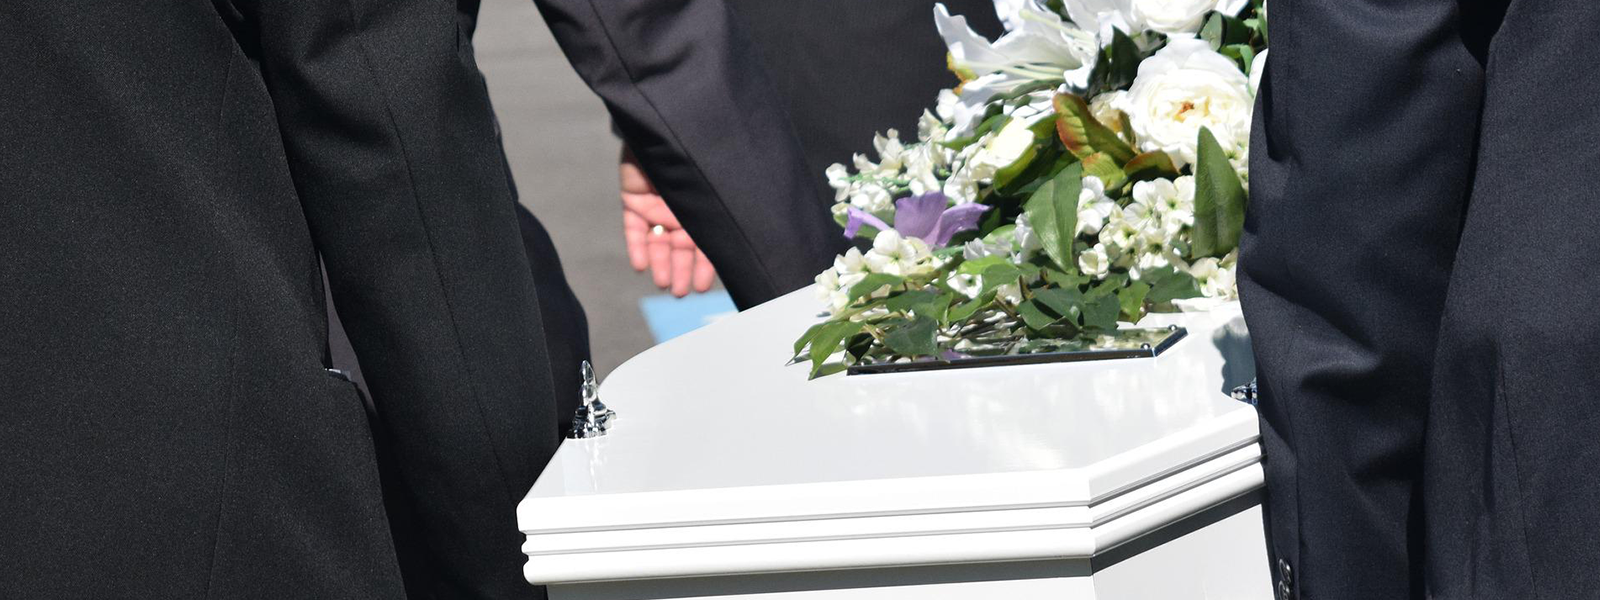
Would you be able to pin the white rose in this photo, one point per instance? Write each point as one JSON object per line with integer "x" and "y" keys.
{"x": 1184, "y": 87}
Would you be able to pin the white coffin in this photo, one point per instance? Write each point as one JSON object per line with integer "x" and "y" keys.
{"x": 729, "y": 475}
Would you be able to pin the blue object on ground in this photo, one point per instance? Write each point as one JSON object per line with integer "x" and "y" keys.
{"x": 671, "y": 317}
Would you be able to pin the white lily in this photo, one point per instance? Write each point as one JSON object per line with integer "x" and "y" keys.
{"x": 1179, "y": 18}
{"x": 1037, "y": 46}
{"x": 1102, "y": 16}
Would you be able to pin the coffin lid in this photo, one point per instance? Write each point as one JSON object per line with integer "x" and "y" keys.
{"x": 726, "y": 459}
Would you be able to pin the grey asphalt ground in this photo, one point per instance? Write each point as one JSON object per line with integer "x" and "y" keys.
{"x": 564, "y": 158}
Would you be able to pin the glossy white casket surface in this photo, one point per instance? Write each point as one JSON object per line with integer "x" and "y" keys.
{"x": 725, "y": 461}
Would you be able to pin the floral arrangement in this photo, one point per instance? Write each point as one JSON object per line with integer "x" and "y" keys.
{"x": 1089, "y": 168}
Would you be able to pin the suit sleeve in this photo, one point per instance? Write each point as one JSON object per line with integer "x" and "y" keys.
{"x": 688, "y": 93}
{"x": 1361, "y": 164}
{"x": 391, "y": 143}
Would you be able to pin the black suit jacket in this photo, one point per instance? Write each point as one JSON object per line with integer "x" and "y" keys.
{"x": 846, "y": 69}
{"x": 1363, "y": 157}
{"x": 171, "y": 174}
{"x": 686, "y": 90}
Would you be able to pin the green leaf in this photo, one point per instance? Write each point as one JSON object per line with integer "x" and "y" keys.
{"x": 827, "y": 341}
{"x": 1125, "y": 57}
{"x": 1062, "y": 301}
{"x": 1010, "y": 172}
{"x": 1001, "y": 274}
{"x": 1224, "y": 30}
{"x": 913, "y": 338}
{"x": 1101, "y": 312}
{"x": 1083, "y": 135}
{"x": 1219, "y": 200}
{"x": 1064, "y": 279}
{"x": 1128, "y": 133}
{"x": 1033, "y": 317}
{"x": 858, "y": 345}
{"x": 977, "y": 266}
{"x": 1211, "y": 32}
{"x": 1168, "y": 284}
{"x": 1242, "y": 54}
{"x": 1045, "y": 127}
{"x": 1040, "y": 173}
{"x": 992, "y": 123}
{"x": 1107, "y": 286}
{"x": 1025, "y": 89}
{"x": 1131, "y": 299}
{"x": 1261, "y": 13}
{"x": 939, "y": 309}
{"x": 1101, "y": 165}
{"x": 1053, "y": 213}
{"x": 965, "y": 310}
{"x": 872, "y": 283}
{"x": 1150, "y": 165}
{"x": 805, "y": 338}
{"x": 921, "y": 303}
{"x": 906, "y": 301}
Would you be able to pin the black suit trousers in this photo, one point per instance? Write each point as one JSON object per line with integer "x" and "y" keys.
{"x": 1415, "y": 270}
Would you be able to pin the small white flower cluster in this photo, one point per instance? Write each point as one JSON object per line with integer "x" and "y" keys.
{"x": 1139, "y": 236}
{"x": 1217, "y": 277}
{"x": 891, "y": 254}
{"x": 1017, "y": 243}
{"x": 917, "y": 168}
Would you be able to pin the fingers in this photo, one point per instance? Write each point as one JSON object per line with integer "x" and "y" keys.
{"x": 652, "y": 208}
{"x": 654, "y": 237}
{"x": 704, "y": 273}
{"x": 634, "y": 232}
{"x": 660, "y": 259}
{"x": 683, "y": 253}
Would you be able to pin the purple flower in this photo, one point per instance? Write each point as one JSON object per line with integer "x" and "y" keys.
{"x": 927, "y": 217}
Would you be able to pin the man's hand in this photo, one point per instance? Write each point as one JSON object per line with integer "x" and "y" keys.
{"x": 655, "y": 238}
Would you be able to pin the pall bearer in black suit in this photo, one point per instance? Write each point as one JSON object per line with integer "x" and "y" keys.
{"x": 1418, "y": 271}
{"x": 171, "y": 176}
